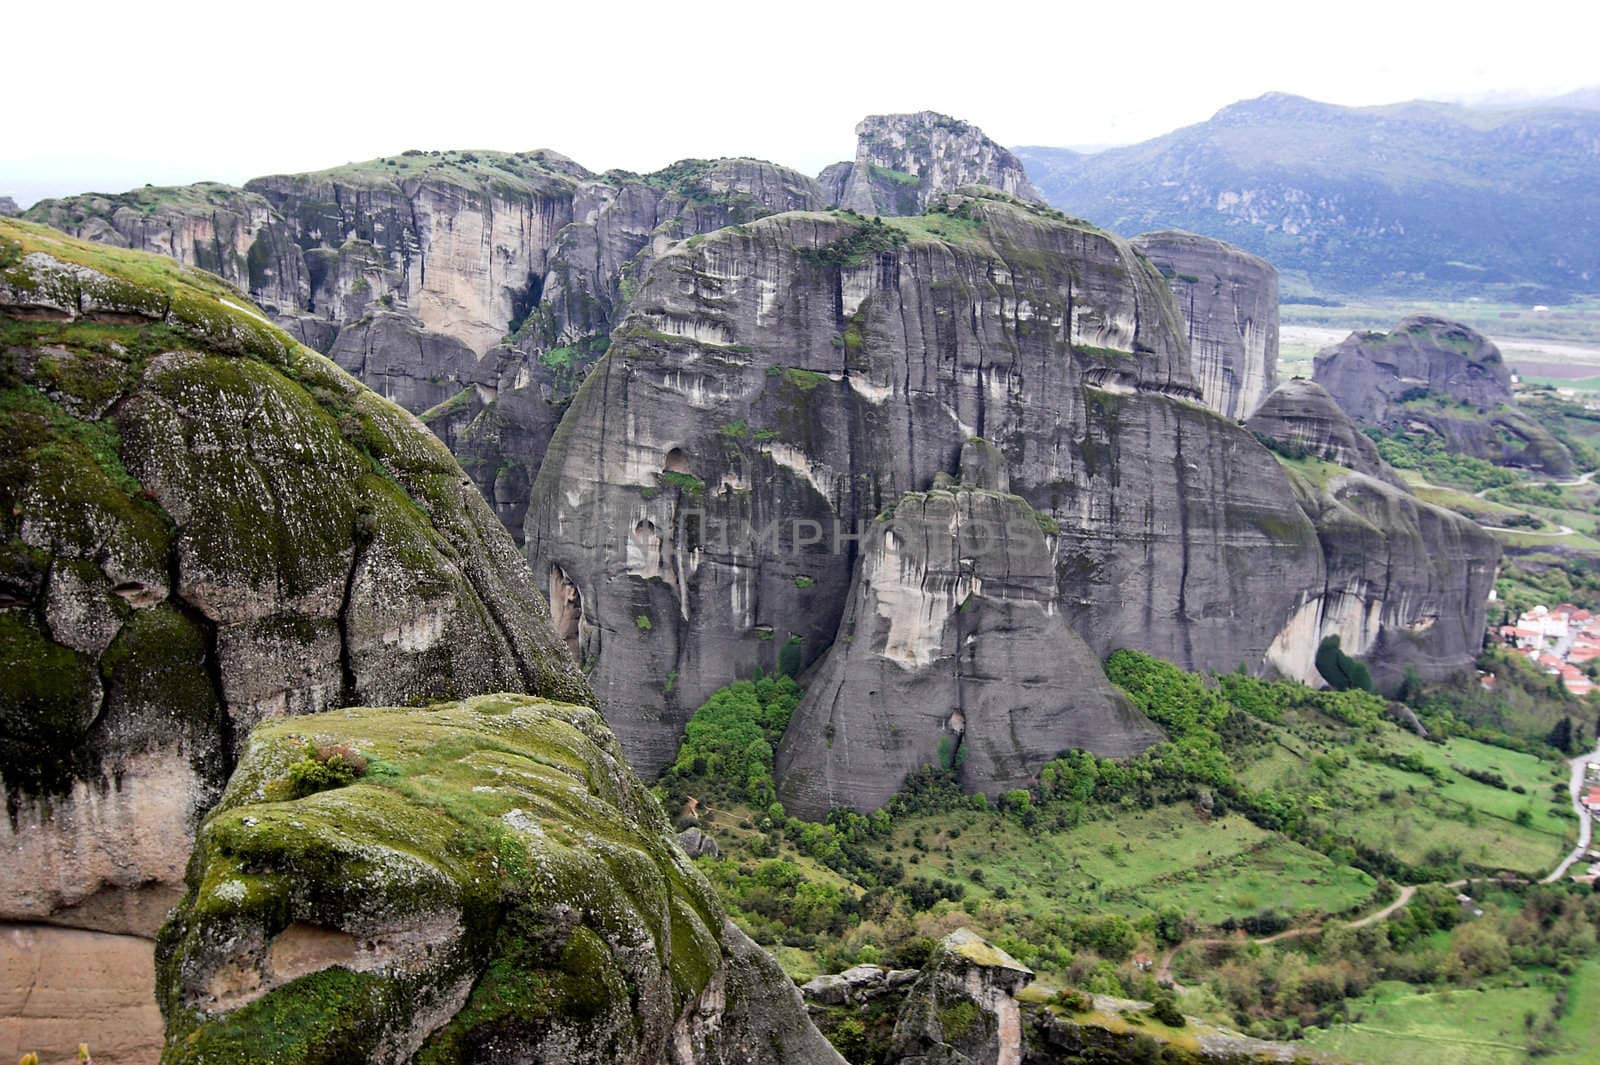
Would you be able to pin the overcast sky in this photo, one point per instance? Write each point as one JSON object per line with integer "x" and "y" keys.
{"x": 105, "y": 96}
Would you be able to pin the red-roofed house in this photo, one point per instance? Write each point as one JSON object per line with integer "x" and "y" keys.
{"x": 1573, "y": 679}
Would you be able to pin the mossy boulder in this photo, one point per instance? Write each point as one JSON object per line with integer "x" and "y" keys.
{"x": 204, "y": 524}
{"x": 495, "y": 885}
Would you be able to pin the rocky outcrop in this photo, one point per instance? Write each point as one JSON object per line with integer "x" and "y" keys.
{"x": 1299, "y": 419}
{"x": 9, "y": 208}
{"x": 906, "y": 162}
{"x": 227, "y": 231}
{"x": 203, "y": 526}
{"x": 963, "y": 1009}
{"x": 783, "y": 382}
{"x": 952, "y": 651}
{"x": 504, "y": 889}
{"x": 1406, "y": 583}
{"x": 1229, "y": 301}
{"x": 1433, "y": 376}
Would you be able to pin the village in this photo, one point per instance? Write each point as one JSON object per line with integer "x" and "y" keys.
{"x": 1560, "y": 641}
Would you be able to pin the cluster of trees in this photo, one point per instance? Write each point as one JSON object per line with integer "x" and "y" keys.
{"x": 728, "y": 745}
{"x": 1438, "y": 463}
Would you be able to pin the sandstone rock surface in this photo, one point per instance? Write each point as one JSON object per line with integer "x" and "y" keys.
{"x": 497, "y": 886}
{"x": 1229, "y": 301}
{"x": 63, "y": 986}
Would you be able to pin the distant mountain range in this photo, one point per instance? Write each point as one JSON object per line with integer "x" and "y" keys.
{"x": 1414, "y": 198}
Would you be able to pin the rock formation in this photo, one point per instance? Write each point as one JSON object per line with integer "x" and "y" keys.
{"x": 952, "y": 651}
{"x": 1229, "y": 300}
{"x": 963, "y": 1009}
{"x": 204, "y": 525}
{"x": 905, "y": 162}
{"x": 1434, "y": 376}
{"x": 495, "y": 886}
{"x": 1300, "y": 419}
{"x": 8, "y": 207}
{"x": 1406, "y": 583}
{"x": 783, "y": 382}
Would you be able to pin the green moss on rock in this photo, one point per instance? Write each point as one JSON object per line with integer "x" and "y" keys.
{"x": 510, "y": 821}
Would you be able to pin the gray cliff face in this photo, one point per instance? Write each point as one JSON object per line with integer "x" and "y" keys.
{"x": 9, "y": 208}
{"x": 455, "y": 240}
{"x": 952, "y": 650}
{"x": 807, "y": 370}
{"x": 411, "y": 272}
{"x": 1301, "y": 417}
{"x": 1229, "y": 301}
{"x": 501, "y": 426}
{"x": 1406, "y": 583}
{"x": 206, "y": 526}
{"x": 905, "y": 162}
{"x": 1435, "y": 376}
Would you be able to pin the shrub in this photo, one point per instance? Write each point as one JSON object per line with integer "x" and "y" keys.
{"x": 325, "y": 768}
{"x": 1342, "y": 672}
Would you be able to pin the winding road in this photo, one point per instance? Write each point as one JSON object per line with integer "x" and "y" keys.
{"x": 1559, "y": 530}
{"x": 1409, "y": 891}
{"x": 1585, "y": 822}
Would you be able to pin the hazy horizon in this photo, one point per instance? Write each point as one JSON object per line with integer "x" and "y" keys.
{"x": 734, "y": 81}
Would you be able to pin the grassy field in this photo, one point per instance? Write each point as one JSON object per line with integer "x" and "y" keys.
{"x": 1136, "y": 862}
{"x": 1415, "y": 816}
{"x": 1455, "y": 1027}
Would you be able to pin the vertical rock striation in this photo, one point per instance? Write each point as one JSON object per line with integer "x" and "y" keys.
{"x": 1229, "y": 301}
{"x": 1406, "y": 583}
{"x": 777, "y": 385}
{"x": 952, "y": 650}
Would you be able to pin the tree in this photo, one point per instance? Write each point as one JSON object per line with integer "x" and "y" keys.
{"x": 1561, "y": 735}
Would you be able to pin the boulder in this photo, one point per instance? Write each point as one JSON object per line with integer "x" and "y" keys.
{"x": 493, "y": 885}
{"x": 1229, "y": 302}
{"x": 696, "y": 844}
{"x": 1300, "y": 418}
